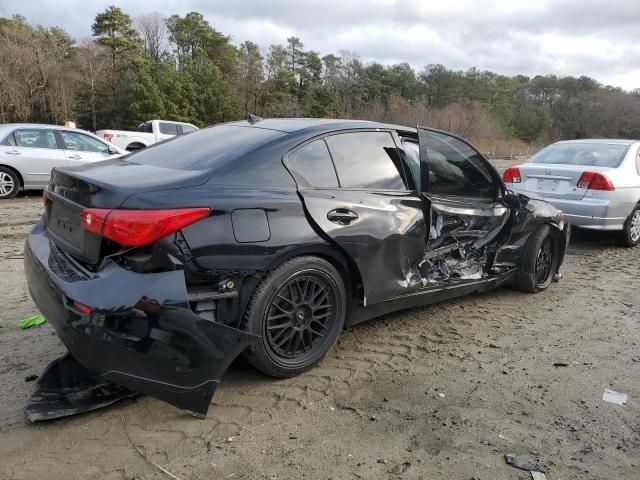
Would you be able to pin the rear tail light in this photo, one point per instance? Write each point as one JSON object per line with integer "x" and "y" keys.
{"x": 595, "y": 181}
{"x": 134, "y": 228}
{"x": 81, "y": 307}
{"x": 512, "y": 175}
{"x": 107, "y": 136}
{"x": 45, "y": 198}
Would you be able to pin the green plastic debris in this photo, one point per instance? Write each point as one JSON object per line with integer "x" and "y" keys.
{"x": 34, "y": 321}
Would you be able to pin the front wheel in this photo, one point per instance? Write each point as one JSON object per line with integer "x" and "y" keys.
{"x": 539, "y": 261}
{"x": 631, "y": 232}
{"x": 298, "y": 311}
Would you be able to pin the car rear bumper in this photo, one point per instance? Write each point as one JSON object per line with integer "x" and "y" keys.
{"x": 141, "y": 332}
{"x": 591, "y": 213}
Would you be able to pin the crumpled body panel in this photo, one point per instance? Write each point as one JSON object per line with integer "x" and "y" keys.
{"x": 141, "y": 333}
{"x": 67, "y": 388}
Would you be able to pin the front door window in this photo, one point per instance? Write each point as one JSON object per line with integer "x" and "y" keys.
{"x": 457, "y": 170}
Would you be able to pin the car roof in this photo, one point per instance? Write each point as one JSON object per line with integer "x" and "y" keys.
{"x": 604, "y": 141}
{"x": 28, "y": 125}
{"x": 166, "y": 121}
{"x": 38, "y": 126}
{"x": 291, "y": 125}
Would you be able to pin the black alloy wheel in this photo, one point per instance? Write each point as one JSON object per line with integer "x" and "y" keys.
{"x": 544, "y": 263}
{"x": 298, "y": 311}
{"x": 539, "y": 261}
{"x": 299, "y": 315}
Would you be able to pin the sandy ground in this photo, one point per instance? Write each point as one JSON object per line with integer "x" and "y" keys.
{"x": 441, "y": 392}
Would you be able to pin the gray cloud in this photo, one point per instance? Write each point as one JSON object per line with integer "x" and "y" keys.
{"x": 563, "y": 37}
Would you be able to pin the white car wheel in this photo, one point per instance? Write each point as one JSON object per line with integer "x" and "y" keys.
{"x": 9, "y": 183}
{"x": 631, "y": 232}
{"x": 634, "y": 226}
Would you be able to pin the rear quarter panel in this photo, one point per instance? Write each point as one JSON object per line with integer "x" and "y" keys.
{"x": 215, "y": 245}
{"x": 213, "y": 253}
{"x": 626, "y": 180}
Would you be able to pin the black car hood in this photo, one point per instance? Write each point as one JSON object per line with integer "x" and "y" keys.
{"x": 109, "y": 183}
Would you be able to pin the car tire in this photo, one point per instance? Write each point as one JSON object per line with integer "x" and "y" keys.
{"x": 9, "y": 183}
{"x": 298, "y": 311}
{"x": 630, "y": 236}
{"x": 539, "y": 261}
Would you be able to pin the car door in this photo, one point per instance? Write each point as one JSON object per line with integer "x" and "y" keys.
{"x": 34, "y": 151}
{"x": 354, "y": 188}
{"x": 465, "y": 216}
{"x": 80, "y": 148}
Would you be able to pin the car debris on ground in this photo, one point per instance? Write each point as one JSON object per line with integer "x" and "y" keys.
{"x": 614, "y": 397}
{"x": 522, "y": 464}
{"x": 34, "y": 321}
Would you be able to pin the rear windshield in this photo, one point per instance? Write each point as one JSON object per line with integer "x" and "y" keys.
{"x": 204, "y": 149}
{"x": 587, "y": 154}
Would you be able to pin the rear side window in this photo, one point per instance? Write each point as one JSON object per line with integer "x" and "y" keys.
{"x": 205, "y": 148}
{"x": 366, "y": 160}
{"x": 311, "y": 164}
{"x": 9, "y": 140}
{"x": 168, "y": 128}
{"x": 188, "y": 128}
{"x": 146, "y": 127}
{"x": 36, "y": 138}
{"x": 585, "y": 154}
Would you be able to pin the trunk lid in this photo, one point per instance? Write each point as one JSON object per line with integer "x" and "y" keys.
{"x": 555, "y": 180}
{"x": 102, "y": 185}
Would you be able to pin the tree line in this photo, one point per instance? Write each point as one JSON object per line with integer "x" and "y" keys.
{"x": 182, "y": 68}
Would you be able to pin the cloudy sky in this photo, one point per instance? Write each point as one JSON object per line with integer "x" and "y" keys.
{"x": 598, "y": 38}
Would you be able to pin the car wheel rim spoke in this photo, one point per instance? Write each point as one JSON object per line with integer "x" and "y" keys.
{"x": 544, "y": 262}
{"x": 6, "y": 184}
{"x": 635, "y": 226}
{"x": 299, "y": 315}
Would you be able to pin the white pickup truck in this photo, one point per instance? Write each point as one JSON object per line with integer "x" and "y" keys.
{"x": 148, "y": 133}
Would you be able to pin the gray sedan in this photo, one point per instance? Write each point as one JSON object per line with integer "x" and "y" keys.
{"x": 595, "y": 183}
{"x": 28, "y": 152}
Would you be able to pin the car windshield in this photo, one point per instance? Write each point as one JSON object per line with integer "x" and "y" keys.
{"x": 204, "y": 149}
{"x": 587, "y": 154}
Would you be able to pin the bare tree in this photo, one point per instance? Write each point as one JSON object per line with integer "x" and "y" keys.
{"x": 250, "y": 75}
{"x": 92, "y": 65}
{"x": 154, "y": 33}
{"x": 36, "y": 81}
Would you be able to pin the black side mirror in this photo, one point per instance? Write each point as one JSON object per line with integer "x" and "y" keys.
{"x": 512, "y": 200}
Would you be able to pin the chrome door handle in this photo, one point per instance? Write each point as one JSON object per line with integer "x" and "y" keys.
{"x": 342, "y": 216}
{"x": 75, "y": 157}
{"x": 12, "y": 152}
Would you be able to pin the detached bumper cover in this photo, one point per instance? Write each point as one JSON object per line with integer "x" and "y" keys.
{"x": 141, "y": 333}
{"x": 67, "y": 388}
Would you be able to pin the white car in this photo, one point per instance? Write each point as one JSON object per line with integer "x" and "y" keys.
{"x": 28, "y": 152}
{"x": 595, "y": 183}
{"x": 147, "y": 134}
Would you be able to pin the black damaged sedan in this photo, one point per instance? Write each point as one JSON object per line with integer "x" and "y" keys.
{"x": 266, "y": 238}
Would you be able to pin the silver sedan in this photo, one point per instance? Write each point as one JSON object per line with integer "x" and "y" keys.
{"x": 596, "y": 183}
{"x": 28, "y": 152}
